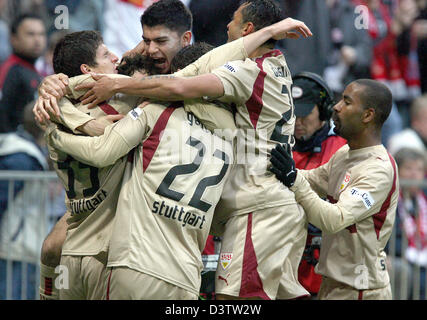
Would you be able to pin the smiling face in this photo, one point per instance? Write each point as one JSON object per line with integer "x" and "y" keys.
{"x": 162, "y": 44}
{"x": 348, "y": 113}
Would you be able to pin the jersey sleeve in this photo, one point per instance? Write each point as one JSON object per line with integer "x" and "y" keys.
{"x": 317, "y": 178}
{"x": 106, "y": 149}
{"x": 70, "y": 116}
{"x": 238, "y": 78}
{"x": 362, "y": 198}
{"x": 330, "y": 218}
{"x": 234, "y": 50}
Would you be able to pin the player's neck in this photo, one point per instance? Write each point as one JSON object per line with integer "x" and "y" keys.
{"x": 261, "y": 51}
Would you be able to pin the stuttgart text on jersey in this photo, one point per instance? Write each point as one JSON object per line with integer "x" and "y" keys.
{"x": 87, "y": 205}
{"x": 177, "y": 213}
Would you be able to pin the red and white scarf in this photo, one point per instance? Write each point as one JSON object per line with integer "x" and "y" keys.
{"x": 415, "y": 228}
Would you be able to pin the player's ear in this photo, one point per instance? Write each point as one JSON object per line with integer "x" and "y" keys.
{"x": 368, "y": 115}
{"x": 84, "y": 68}
{"x": 248, "y": 28}
{"x": 186, "y": 38}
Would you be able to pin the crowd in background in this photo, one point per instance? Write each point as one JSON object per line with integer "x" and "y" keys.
{"x": 385, "y": 40}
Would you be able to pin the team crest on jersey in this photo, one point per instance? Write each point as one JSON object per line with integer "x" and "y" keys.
{"x": 345, "y": 181}
{"x": 225, "y": 259}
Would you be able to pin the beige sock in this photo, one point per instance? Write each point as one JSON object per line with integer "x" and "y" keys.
{"x": 47, "y": 288}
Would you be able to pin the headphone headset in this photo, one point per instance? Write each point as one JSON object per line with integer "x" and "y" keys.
{"x": 327, "y": 97}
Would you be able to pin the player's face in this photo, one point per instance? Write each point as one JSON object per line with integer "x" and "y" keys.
{"x": 162, "y": 44}
{"x": 106, "y": 61}
{"x": 348, "y": 113}
{"x": 235, "y": 27}
{"x": 306, "y": 126}
{"x": 30, "y": 38}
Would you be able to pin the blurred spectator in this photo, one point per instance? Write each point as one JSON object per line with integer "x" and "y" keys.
{"x": 44, "y": 65}
{"x": 315, "y": 144}
{"x": 411, "y": 223}
{"x": 385, "y": 62}
{"x": 20, "y": 226}
{"x": 309, "y": 54}
{"x": 122, "y": 27}
{"x": 420, "y": 30}
{"x": 351, "y": 54}
{"x": 402, "y": 25}
{"x": 392, "y": 126}
{"x": 88, "y": 16}
{"x": 5, "y": 48}
{"x": 415, "y": 136}
{"x": 210, "y": 19}
{"x": 18, "y": 76}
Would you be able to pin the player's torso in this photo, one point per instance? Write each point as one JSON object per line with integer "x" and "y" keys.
{"x": 92, "y": 193}
{"x": 168, "y": 197}
{"x": 264, "y": 118}
{"x": 355, "y": 255}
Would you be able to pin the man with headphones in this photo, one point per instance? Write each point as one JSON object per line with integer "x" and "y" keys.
{"x": 315, "y": 143}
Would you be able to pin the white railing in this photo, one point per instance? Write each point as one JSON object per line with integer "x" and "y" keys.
{"x": 31, "y": 215}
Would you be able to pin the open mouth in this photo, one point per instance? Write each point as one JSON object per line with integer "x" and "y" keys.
{"x": 159, "y": 61}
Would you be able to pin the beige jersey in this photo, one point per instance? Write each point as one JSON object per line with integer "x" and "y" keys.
{"x": 169, "y": 190}
{"x": 260, "y": 91}
{"x": 362, "y": 186}
{"x": 91, "y": 193}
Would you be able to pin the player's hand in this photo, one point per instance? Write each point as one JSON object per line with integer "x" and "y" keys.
{"x": 97, "y": 127}
{"x": 43, "y": 107}
{"x": 54, "y": 85}
{"x": 98, "y": 91}
{"x": 283, "y": 165}
{"x": 140, "y": 48}
{"x": 290, "y": 28}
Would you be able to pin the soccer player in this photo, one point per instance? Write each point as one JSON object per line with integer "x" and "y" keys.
{"x": 91, "y": 192}
{"x": 361, "y": 183}
{"x": 233, "y": 49}
{"x": 253, "y": 201}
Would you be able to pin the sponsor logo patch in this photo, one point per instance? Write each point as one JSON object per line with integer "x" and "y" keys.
{"x": 225, "y": 259}
{"x": 229, "y": 67}
{"x": 135, "y": 113}
{"x": 366, "y": 197}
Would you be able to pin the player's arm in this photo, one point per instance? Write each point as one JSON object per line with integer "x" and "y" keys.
{"x": 106, "y": 149}
{"x": 362, "y": 198}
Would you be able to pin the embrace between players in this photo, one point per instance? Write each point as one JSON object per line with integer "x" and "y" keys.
{"x": 146, "y": 192}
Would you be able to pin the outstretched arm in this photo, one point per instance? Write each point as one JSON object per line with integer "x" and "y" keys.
{"x": 105, "y": 87}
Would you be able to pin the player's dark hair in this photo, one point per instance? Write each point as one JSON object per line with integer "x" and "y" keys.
{"x": 189, "y": 54}
{"x": 75, "y": 49}
{"x": 137, "y": 62}
{"x": 261, "y": 13}
{"x": 172, "y": 14}
{"x": 376, "y": 95}
{"x": 19, "y": 19}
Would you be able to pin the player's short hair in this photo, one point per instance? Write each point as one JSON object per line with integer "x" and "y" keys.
{"x": 19, "y": 19}
{"x": 75, "y": 49}
{"x": 172, "y": 14}
{"x": 261, "y": 13}
{"x": 137, "y": 62}
{"x": 189, "y": 54}
{"x": 378, "y": 96}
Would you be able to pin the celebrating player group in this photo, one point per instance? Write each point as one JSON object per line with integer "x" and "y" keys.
{"x": 178, "y": 141}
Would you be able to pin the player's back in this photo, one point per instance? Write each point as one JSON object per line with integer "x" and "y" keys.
{"x": 91, "y": 193}
{"x": 260, "y": 90}
{"x": 168, "y": 197}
